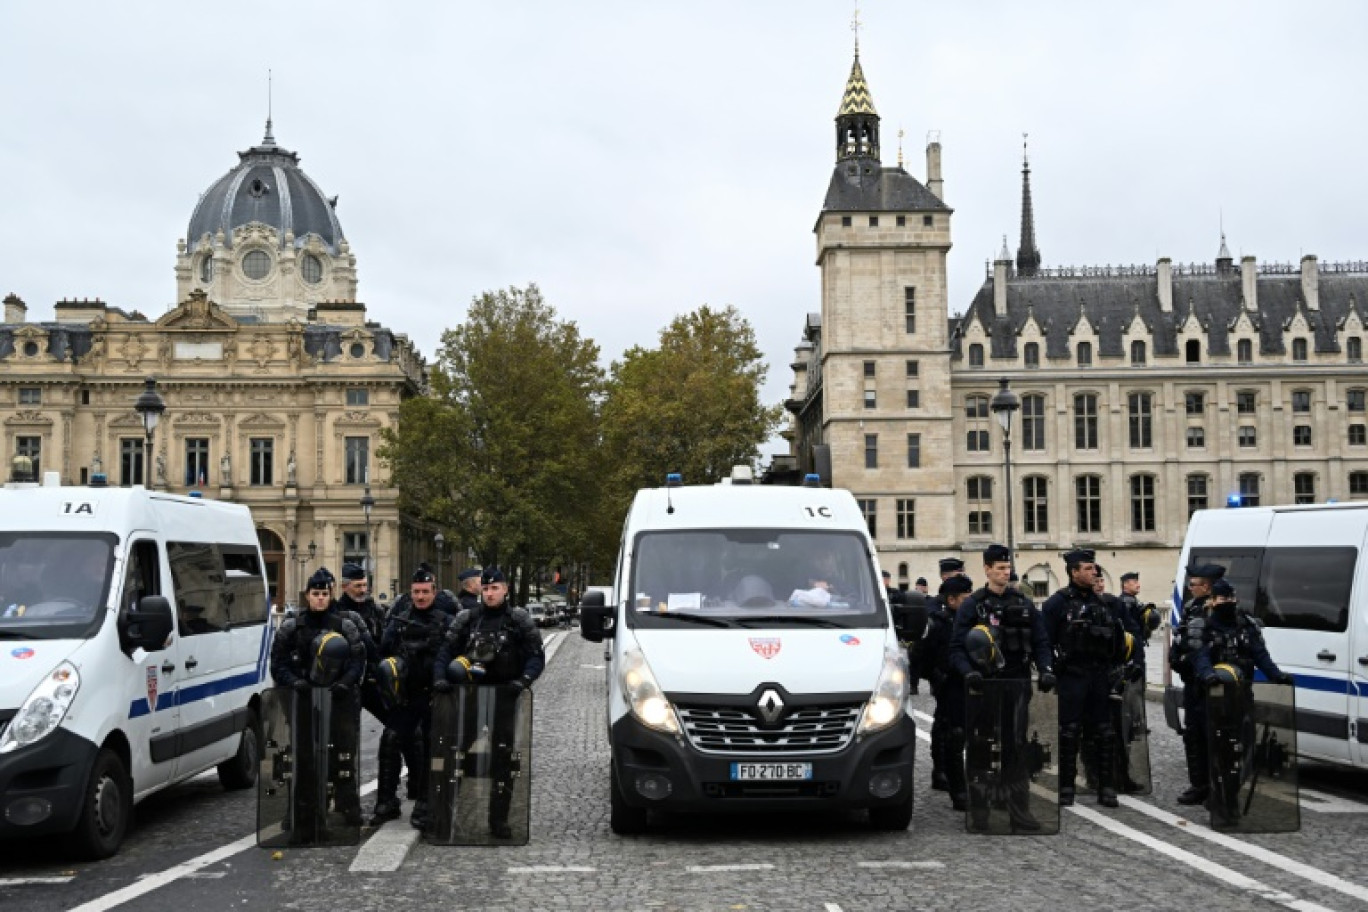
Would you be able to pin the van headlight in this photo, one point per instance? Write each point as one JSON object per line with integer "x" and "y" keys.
{"x": 889, "y": 699}
{"x": 44, "y": 709}
{"x": 644, "y": 695}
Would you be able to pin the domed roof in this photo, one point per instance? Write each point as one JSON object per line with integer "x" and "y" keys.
{"x": 267, "y": 186}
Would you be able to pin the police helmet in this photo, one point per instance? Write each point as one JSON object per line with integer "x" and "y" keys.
{"x": 982, "y": 648}
{"x": 1151, "y": 617}
{"x": 1227, "y": 674}
{"x": 390, "y": 677}
{"x": 330, "y": 654}
{"x": 458, "y": 671}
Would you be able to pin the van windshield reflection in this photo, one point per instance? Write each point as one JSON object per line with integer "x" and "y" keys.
{"x": 53, "y": 586}
{"x": 754, "y": 578}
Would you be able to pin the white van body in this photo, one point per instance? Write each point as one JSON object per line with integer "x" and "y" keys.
{"x": 75, "y": 565}
{"x": 734, "y": 682}
{"x": 1301, "y": 571}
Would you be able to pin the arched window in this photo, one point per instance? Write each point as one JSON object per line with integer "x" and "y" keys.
{"x": 1298, "y": 349}
{"x": 976, "y": 355}
{"x": 1137, "y": 352}
{"x": 1194, "y": 351}
{"x": 1031, "y": 354}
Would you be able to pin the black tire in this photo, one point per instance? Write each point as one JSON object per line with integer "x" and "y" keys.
{"x": 106, "y": 811}
{"x": 240, "y": 772}
{"x": 624, "y": 819}
{"x": 892, "y": 817}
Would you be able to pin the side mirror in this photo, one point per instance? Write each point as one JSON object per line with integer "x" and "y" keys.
{"x": 148, "y": 625}
{"x": 596, "y": 618}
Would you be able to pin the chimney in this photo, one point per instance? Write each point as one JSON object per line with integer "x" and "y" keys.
{"x": 1249, "y": 281}
{"x": 1165, "y": 272}
{"x": 933, "y": 170}
{"x": 15, "y": 309}
{"x": 1311, "y": 281}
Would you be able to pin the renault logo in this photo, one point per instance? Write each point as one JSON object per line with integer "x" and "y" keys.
{"x": 771, "y": 706}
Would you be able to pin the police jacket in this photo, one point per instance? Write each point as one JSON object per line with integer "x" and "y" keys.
{"x": 932, "y": 655}
{"x": 1017, "y": 628}
{"x": 1085, "y": 629}
{"x": 1232, "y": 638}
{"x": 415, "y": 635}
{"x": 368, "y": 611}
{"x": 292, "y": 652}
{"x": 468, "y": 600}
{"x": 505, "y": 641}
{"x": 1187, "y": 637}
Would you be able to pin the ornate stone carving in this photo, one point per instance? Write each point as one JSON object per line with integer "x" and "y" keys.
{"x": 133, "y": 350}
{"x": 262, "y": 350}
{"x": 28, "y": 416}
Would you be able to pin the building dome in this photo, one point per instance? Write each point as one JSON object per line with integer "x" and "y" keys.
{"x": 268, "y": 187}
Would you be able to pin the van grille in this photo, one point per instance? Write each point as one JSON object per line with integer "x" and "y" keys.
{"x": 733, "y": 730}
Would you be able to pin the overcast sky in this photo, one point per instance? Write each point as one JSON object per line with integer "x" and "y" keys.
{"x": 639, "y": 159}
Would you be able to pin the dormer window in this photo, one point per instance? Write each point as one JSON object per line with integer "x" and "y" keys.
{"x": 1031, "y": 354}
{"x": 311, "y": 269}
{"x": 206, "y": 269}
{"x": 256, "y": 264}
{"x": 1298, "y": 349}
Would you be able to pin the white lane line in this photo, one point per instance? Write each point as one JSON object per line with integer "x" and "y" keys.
{"x": 903, "y": 865}
{"x": 553, "y": 646}
{"x": 1321, "y": 803}
{"x": 386, "y": 850}
{"x": 1210, "y": 868}
{"x": 32, "y": 881}
{"x": 831, "y": 907}
{"x": 722, "y": 868}
{"x": 552, "y": 869}
{"x": 918, "y": 714}
{"x": 1272, "y": 859}
{"x": 197, "y": 875}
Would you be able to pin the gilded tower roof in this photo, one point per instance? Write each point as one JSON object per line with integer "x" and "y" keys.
{"x": 857, "y": 99}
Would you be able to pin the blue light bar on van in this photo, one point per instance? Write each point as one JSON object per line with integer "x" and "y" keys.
{"x": 99, "y": 480}
{"x": 812, "y": 480}
{"x": 674, "y": 480}
{"x": 1233, "y": 500}
{"x": 195, "y": 494}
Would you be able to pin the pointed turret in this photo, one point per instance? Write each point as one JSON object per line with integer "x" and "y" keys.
{"x": 1225, "y": 263}
{"x": 857, "y": 123}
{"x": 1028, "y": 256}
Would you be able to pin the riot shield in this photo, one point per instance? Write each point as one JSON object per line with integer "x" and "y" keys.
{"x": 1252, "y": 739}
{"x": 480, "y": 784}
{"x": 308, "y": 787}
{"x": 1012, "y": 744}
{"x": 1132, "y": 774}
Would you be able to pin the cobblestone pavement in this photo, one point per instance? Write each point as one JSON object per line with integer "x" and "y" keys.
{"x": 1111, "y": 859}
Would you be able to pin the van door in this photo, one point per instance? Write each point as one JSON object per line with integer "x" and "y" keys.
{"x": 1306, "y": 581}
{"x": 1358, "y": 690}
{"x": 151, "y": 689}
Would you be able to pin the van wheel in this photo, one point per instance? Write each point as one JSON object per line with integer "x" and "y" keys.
{"x": 240, "y": 772}
{"x": 624, "y": 819}
{"x": 106, "y": 810}
{"x": 892, "y": 816}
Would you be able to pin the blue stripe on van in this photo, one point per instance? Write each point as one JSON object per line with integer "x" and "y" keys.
{"x": 198, "y": 692}
{"x": 264, "y": 655}
{"x": 1324, "y": 684}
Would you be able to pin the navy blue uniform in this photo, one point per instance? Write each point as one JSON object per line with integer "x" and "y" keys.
{"x": 931, "y": 662}
{"x": 1187, "y": 641}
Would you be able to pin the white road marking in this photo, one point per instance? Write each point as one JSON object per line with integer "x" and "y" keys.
{"x": 552, "y": 869}
{"x": 903, "y": 865}
{"x": 831, "y": 907}
{"x": 1272, "y": 859}
{"x": 1321, "y": 803}
{"x": 723, "y": 868}
{"x": 197, "y": 875}
{"x": 918, "y": 714}
{"x": 32, "y": 881}
{"x": 386, "y": 850}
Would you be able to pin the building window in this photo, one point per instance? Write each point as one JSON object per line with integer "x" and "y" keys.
{"x": 1033, "y": 422}
{"x": 913, "y": 399}
{"x": 358, "y": 460}
{"x": 975, "y": 407}
{"x": 85, "y": 397}
{"x": 978, "y": 441}
{"x": 907, "y": 518}
{"x": 1137, "y": 352}
{"x": 1085, "y": 354}
{"x": 869, "y": 508}
{"x": 980, "y": 522}
{"x": 355, "y": 548}
{"x": 928, "y": 221}
{"x": 1248, "y": 437}
{"x": 873, "y": 221}
{"x": 976, "y": 412}
{"x": 263, "y": 460}
{"x": 196, "y": 461}
{"x": 914, "y": 451}
{"x": 1246, "y": 402}
{"x": 1194, "y": 403}
{"x": 1140, "y": 407}
{"x": 871, "y": 451}
{"x": 32, "y": 447}
{"x": 256, "y": 264}
{"x": 901, "y": 221}
{"x": 1301, "y": 435}
{"x": 976, "y": 355}
{"x": 356, "y": 397}
{"x": 979, "y": 491}
{"x": 1244, "y": 351}
{"x": 869, "y": 370}
{"x": 1358, "y": 435}
{"x": 912, "y": 368}
{"x": 1088, "y": 499}
{"x": 910, "y": 310}
{"x": 1304, "y": 488}
{"x": 1196, "y": 494}
{"x": 1036, "y": 516}
{"x": 130, "y": 461}
{"x": 311, "y": 269}
{"x": 1358, "y": 484}
{"x": 871, "y": 399}
{"x": 1142, "y": 503}
{"x": 1354, "y": 400}
{"x": 1196, "y": 438}
{"x": 30, "y": 395}
{"x": 1031, "y": 354}
{"x": 845, "y": 221}
{"x": 1301, "y": 401}
{"x": 1354, "y": 346}
{"x": 1193, "y": 349}
{"x": 1249, "y": 489}
{"x": 1298, "y": 349}
{"x": 206, "y": 270}
{"x": 1085, "y": 421}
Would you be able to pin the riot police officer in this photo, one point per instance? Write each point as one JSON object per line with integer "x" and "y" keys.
{"x": 355, "y": 598}
{"x": 493, "y": 645}
{"x": 933, "y": 664}
{"x": 949, "y": 567}
{"x": 1187, "y": 639}
{"x": 1020, "y": 640}
{"x": 413, "y": 636}
{"x": 468, "y": 596}
{"x": 1089, "y": 642}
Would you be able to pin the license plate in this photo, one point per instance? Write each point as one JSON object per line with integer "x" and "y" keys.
{"x": 770, "y": 772}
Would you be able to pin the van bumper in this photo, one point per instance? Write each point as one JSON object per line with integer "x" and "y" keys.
{"x": 703, "y": 782}
{"x": 41, "y": 786}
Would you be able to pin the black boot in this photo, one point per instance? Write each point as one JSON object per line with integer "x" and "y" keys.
{"x": 1106, "y": 767}
{"x": 939, "y": 781}
{"x": 389, "y": 760}
{"x": 1199, "y": 771}
{"x": 416, "y": 759}
{"x": 1068, "y": 763}
{"x": 1019, "y": 807}
{"x": 952, "y": 756}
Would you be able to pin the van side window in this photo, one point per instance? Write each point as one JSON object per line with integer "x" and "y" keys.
{"x": 198, "y": 578}
{"x": 244, "y": 590}
{"x": 1306, "y": 588}
{"x": 144, "y": 574}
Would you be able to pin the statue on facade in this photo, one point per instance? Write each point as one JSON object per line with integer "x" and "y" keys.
{"x": 161, "y": 470}
{"x": 290, "y": 470}
{"x": 225, "y": 471}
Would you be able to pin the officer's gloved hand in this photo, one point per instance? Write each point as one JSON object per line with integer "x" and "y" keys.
{"x": 442, "y": 686}
{"x": 521, "y": 684}
{"x": 301, "y": 684}
{"x": 1210, "y": 678}
{"x": 1285, "y": 678}
{"x": 1135, "y": 673}
{"x": 1047, "y": 681}
{"x": 975, "y": 680}
{"x": 342, "y": 691}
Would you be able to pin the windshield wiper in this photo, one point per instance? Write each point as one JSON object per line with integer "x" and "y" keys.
{"x": 787, "y": 618}
{"x": 691, "y": 618}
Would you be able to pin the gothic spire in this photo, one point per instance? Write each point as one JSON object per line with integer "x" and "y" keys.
{"x": 857, "y": 123}
{"x": 1028, "y": 257}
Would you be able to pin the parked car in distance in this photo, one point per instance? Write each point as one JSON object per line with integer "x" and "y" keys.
{"x": 541, "y": 615}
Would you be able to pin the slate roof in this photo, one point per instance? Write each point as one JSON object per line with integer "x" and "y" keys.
{"x": 64, "y": 341}
{"x": 863, "y": 185}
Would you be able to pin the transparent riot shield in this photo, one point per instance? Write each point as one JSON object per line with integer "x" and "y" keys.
{"x": 1252, "y": 740}
{"x": 480, "y": 783}
{"x": 1132, "y": 774}
{"x": 308, "y": 787}
{"x": 1012, "y": 736}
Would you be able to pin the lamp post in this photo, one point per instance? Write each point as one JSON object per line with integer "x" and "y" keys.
{"x": 440, "y": 541}
{"x": 367, "y": 503}
{"x": 149, "y": 406}
{"x": 1004, "y": 403}
{"x": 303, "y": 559}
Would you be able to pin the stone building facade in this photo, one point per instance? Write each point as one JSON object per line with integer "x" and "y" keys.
{"x": 276, "y": 384}
{"x": 1147, "y": 392}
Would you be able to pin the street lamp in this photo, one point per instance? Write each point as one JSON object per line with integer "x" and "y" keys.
{"x": 367, "y": 503}
{"x": 303, "y": 559}
{"x": 150, "y": 406}
{"x": 1004, "y": 403}
{"x": 439, "y": 540}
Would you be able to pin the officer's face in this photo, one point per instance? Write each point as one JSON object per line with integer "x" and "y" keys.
{"x": 953, "y": 601}
{"x": 998, "y": 574}
{"x": 1099, "y": 585}
{"x": 319, "y": 599}
{"x": 471, "y": 584}
{"x": 357, "y": 589}
{"x": 1085, "y": 575}
{"x": 1131, "y": 587}
{"x": 1200, "y": 586}
{"x": 494, "y": 594}
{"x": 422, "y": 594}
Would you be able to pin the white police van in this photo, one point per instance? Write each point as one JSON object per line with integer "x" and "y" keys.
{"x": 133, "y": 650}
{"x": 1301, "y": 571}
{"x": 753, "y": 662}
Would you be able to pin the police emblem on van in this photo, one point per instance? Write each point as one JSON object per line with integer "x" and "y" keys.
{"x": 151, "y": 688}
{"x": 765, "y": 647}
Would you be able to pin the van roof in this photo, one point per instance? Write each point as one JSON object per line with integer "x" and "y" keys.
{"x": 76, "y": 508}
{"x": 745, "y": 506}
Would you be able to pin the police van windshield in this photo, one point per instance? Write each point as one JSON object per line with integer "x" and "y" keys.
{"x": 53, "y": 586}
{"x": 753, "y": 577}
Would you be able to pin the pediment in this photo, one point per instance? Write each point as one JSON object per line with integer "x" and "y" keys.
{"x": 261, "y": 420}
{"x": 197, "y": 312}
{"x": 29, "y": 417}
{"x": 197, "y": 418}
{"x": 128, "y": 420}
